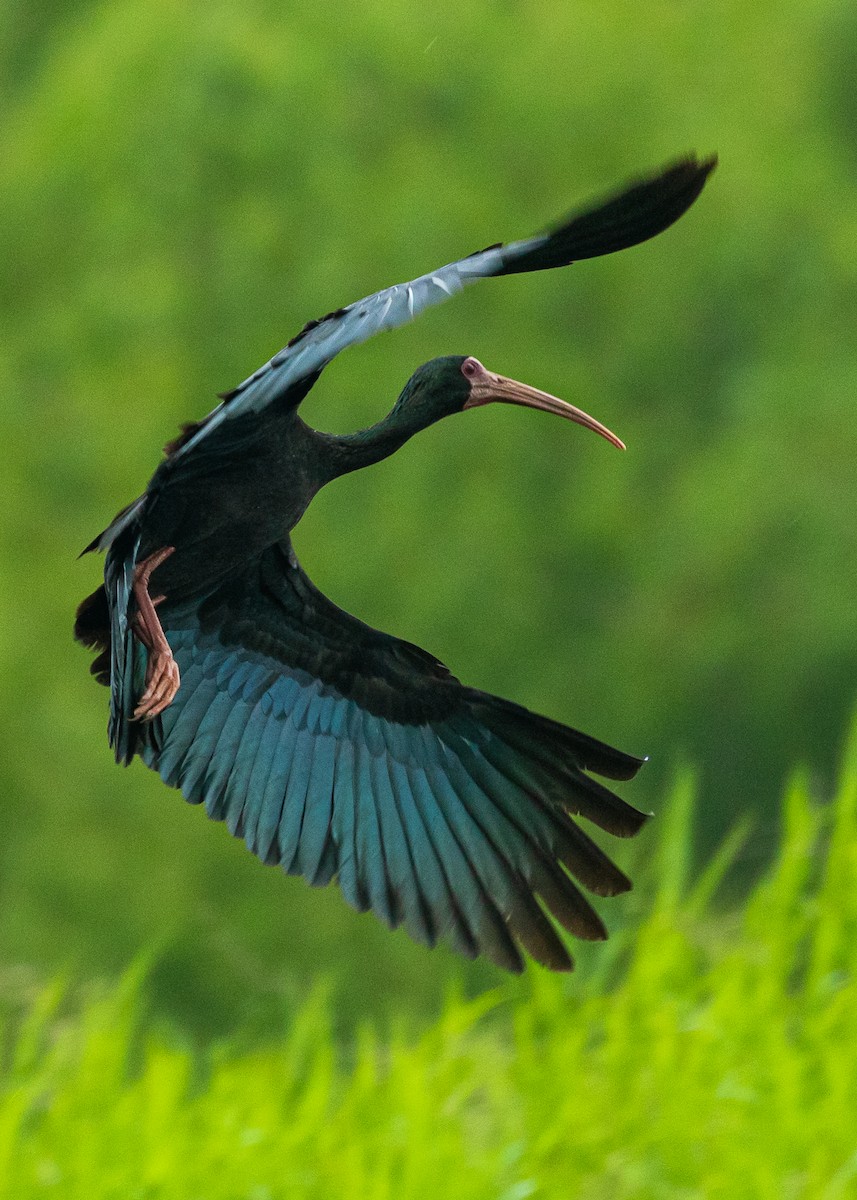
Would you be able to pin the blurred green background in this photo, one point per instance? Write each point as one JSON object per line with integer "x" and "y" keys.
{"x": 184, "y": 184}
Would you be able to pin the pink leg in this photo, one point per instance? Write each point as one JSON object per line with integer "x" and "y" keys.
{"x": 162, "y": 672}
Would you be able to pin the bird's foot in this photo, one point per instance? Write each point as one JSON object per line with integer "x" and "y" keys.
{"x": 162, "y": 683}
{"x": 162, "y": 671}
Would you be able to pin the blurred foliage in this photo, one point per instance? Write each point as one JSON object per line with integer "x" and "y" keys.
{"x": 183, "y": 185}
{"x": 661, "y": 1079}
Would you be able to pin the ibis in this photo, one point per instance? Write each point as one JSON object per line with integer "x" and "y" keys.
{"x": 335, "y": 750}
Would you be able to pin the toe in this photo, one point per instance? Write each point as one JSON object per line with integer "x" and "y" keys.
{"x": 163, "y": 681}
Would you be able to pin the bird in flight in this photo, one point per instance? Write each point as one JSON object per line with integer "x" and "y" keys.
{"x": 332, "y": 749}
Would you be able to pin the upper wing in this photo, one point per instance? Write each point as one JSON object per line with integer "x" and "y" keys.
{"x": 336, "y": 750}
{"x": 638, "y": 213}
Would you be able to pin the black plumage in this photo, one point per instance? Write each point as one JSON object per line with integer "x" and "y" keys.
{"x": 333, "y": 749}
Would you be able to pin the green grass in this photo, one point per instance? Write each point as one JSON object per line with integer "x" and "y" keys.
{"x": 700, "y": 1054}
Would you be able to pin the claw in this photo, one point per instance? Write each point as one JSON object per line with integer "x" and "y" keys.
{"x": 162, "y": 683}
{"x": 162, "y": 671}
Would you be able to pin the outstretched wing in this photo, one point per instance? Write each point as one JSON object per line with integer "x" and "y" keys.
{"x": 338, "y": 751}
{"x": 638, "y": 213}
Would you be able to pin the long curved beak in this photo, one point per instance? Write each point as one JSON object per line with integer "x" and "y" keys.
{"x": 487, "y": 387}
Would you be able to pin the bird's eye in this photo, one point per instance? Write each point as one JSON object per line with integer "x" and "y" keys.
{"x": 469, "y": 367}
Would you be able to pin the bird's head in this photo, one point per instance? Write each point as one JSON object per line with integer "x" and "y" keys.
{"x": 457, "y": 382}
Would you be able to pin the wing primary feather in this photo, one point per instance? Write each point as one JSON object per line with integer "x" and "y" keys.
{"x": 496, "y": 856}
{"x": 167, "y": 757}
{"x": 273, "y": 796}
{"x": 281, "y": 821}
{"x": 574, "y": 790}
{"x": 369, "y": 850}
{"x": 478, "y": 905}
{"x": 319, "y": 808}
{"x": 636, "y": 214}
{"x": 201, "y": 748}
{"x": 204, "y": 769}
{"x": 402, "y": 875}
{"x": 531, "y": 867}
{"x": 558, "y": 744}
{"x": 343, "y": 826}
{"x": 327, "y": 867}
{"x": 183, "y": 733}
{"x": 259, "y": 836}
{"x": 222, "y": 764}
{"x": 125, "y": 651}
{"x": 439, "y": 901}
{"x": 604, "y": 808}
{"x": 568, "y": 904}
{"x": 240, "y": 795}
{"x": 540, "y": 819}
